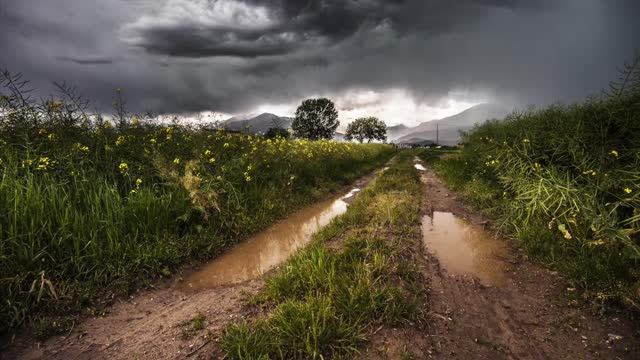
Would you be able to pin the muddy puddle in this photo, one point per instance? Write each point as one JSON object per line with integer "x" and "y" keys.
{"x": 254, "y": 257}
{"x": 464, "y": 248}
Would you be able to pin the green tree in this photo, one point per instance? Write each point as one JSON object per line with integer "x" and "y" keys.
{"x": 275, "y": 132}
{"x": 369, "y": 128}
{"x": 315, "y": 119}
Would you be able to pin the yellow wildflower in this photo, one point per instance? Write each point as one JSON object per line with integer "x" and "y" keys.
{"x": 614, "y": 153}
{"x": 176, "y": 161}
{"x": 138, "y": 181}
{"x": 124, "y": 168}
{"x": 120, "y": 140}
{"x": 628, "y": 191}
{"x": 212, "y": 160}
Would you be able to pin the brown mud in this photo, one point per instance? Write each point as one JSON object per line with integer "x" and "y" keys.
{"x": 159, "y": 323}
{"x": 524, "y": 315}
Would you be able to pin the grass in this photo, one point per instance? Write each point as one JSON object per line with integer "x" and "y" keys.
{"x": 89, "y": 207}
{"x": 326, "y": 300}
{"x": 565, "y": 181}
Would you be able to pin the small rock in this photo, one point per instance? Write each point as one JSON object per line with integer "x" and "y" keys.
{"x": 614, "y": 337}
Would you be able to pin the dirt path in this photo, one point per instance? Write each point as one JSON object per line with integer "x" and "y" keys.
{"x": 157, "y": 323}
{"x": 525, "y": 318}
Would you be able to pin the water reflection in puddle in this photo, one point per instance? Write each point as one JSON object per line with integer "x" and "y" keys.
{"x": 464, "y": 248}
{"x": 254, "y": 257}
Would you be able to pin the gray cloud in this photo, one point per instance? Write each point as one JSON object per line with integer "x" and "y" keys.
{"x": 232, "y": 55}
{"x": 87, "y": 61}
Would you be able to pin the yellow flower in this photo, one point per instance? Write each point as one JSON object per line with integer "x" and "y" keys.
{"x": 628, "y": 191}
{"x": 168, "y": 137}
{"x": 212, "y": 160}
{"x": 124, "y": 168}
{"x": 153, "y": 140}
{"x": 219, "y": 178}
{"x": 80, "y": 148}
{"x": 614, "y": 153}
{"x": 52, "y": 137}
{"x": 225, "y": 145}
{"x": 207, "y": 152}
{"x": 525, "y": 141}
{"x": 176, "y": 161}
{"x": 138, "y": 181}
{"x": 133, "y": 191}
{"x": 249, "y": 168}
{"x": 248, "y": 178}
{"x": 121, "y": 139}
{"x": 42, "y": 132}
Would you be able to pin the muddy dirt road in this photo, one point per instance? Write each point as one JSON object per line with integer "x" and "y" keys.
{"x": 488, "y": 301}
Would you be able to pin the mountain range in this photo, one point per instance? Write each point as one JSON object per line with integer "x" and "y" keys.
{"x": 446, "y": 131}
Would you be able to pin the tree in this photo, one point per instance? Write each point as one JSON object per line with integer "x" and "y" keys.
{"x": 370, "y": 128}
{"x": 275, "y": 132}
{"x": 315, "y": 119}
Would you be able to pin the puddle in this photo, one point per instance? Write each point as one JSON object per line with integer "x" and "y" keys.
{"x": 420, "y": 167}
{"x": 252, "y": 258}
{"x": 351, "y": 193}
{"x": 464, "y": 248}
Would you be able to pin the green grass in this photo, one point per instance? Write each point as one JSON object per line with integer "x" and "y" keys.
{"x": 88, "y": 207}
{"x": 325, "y": 303}
{"x": 565, "y": 181}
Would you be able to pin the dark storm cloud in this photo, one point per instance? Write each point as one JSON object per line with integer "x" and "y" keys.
{"x": 232, "y": 55}
{"x": 292, "y": 25}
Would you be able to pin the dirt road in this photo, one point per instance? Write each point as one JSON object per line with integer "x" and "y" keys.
{"x": 527, "y": 317}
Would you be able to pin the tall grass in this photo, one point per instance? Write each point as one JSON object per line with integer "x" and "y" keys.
{"x": 326, "y": 303}
{"x": 566, "y": 181}
{"x": 88, "y": 206}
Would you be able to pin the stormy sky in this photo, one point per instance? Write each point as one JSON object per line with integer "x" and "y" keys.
{"x": 403, "y": 60}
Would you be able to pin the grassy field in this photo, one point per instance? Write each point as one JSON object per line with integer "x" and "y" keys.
{"x": 327, "y": 300}
{"x": 565, "y": 181}
{"x": 89, "y": 207}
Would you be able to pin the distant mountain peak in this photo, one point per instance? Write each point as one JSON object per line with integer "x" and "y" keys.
{"x": 447, "y": 130}
{"x": 255, "y": 124}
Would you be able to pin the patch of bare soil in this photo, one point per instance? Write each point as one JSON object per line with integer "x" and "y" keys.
{"x": 526, "y": 318}
{"x": 156, "y": 324}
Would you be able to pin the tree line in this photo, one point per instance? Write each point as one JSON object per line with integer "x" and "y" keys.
{"x": 317, "y": 119}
